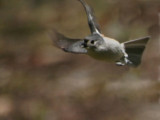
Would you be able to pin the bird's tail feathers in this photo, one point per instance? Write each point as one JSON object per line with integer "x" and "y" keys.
{"x": 135, "y": 49}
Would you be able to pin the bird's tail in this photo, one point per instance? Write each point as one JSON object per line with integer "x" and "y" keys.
{"x": 134, "y": 49}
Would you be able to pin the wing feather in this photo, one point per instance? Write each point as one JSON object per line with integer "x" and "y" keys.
{"x": 67, "y": 44}
{"x": 93, "y": 24}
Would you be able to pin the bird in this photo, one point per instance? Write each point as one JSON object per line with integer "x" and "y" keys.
{"x": 99, "y": 46}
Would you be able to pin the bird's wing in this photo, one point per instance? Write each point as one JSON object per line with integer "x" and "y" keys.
{"x": 67, "y": 44}
{"x": 94, "y": 26}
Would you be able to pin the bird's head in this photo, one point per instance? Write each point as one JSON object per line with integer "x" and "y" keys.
{"x": 93, "y": 41}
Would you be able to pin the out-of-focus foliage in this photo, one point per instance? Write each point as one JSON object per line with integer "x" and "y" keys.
{"x": 40, "y": 82}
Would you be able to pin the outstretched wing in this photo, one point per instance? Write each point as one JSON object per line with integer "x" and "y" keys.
{"x": 68, "y": 44}
{"x": 94, "y": 26}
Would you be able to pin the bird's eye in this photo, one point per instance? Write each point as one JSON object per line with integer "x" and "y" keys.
{"x": 92, "y": 42}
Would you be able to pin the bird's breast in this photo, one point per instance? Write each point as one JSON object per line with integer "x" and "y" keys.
{"x": 110, "y": 51}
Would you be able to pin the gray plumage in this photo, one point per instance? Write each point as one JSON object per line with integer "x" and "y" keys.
{"x": 101, "y": 47}
{"x": 68, "y": 44}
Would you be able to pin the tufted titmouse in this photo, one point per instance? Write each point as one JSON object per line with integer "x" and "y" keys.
{"x": 101, "y": 47}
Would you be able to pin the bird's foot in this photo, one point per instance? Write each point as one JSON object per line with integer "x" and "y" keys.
{"x": 120, "y": 63}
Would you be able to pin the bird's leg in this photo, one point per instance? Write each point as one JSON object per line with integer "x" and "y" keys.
{"x": 124, "y": 60}
{"x": 120, "y": 63}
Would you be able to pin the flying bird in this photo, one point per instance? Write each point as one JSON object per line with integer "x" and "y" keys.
{"x": 101, "y": 47}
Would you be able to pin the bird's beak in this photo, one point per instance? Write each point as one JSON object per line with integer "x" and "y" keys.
{"x": 85, "y": 43}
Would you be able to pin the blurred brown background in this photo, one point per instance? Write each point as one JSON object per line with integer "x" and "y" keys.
{"x": 41, "y": 82}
